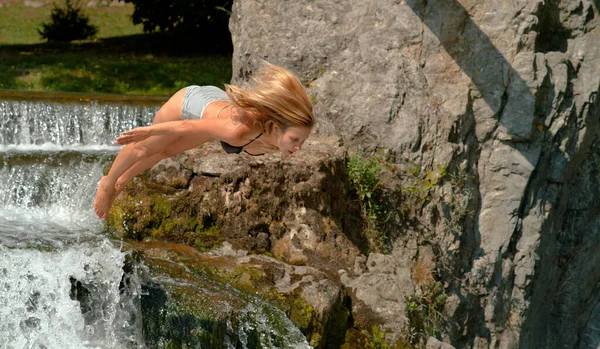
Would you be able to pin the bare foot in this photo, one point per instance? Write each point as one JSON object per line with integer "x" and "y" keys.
{"x": 104, "y": 198}
{"x": 118, "y": 190}
{"x": 119, "y": 187}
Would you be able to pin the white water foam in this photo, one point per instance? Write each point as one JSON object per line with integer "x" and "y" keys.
{"x": 50, "y": 148}
{"x": 38, "y": 307}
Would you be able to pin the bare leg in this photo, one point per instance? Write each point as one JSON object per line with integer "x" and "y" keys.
{"x": 131, "y": 154}
{"x": 138, "y": 168}
{"x": 173, "y": 149}
{"x": 127, "y": 157}
{"x": 131, "y": 165}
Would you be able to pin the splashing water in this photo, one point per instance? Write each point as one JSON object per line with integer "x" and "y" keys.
{"x": 37, "y": 305}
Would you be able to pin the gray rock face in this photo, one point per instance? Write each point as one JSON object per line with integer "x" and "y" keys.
{"x": 382, "y": 285}
{"x": 506, "y": 91}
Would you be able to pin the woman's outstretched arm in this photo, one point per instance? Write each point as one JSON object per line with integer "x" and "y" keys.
{"x": 220, "y": 129}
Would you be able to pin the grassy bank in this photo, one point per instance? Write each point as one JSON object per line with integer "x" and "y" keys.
{"x": 121, "y": 60}
{"x": 20, "y": 23}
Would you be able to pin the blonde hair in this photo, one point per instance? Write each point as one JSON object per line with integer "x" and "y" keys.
{"x": 276, "y": 98}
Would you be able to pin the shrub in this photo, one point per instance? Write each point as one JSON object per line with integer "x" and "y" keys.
{"x": 364, "y": 175}
{"x": 68, "y": 23}
{"x": 424, "y": 310}
{"x": 199, "y": 17}
{"x": 418, "y": 186}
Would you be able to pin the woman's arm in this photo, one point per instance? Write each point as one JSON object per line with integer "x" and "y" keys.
{"x": 221, "y": 129}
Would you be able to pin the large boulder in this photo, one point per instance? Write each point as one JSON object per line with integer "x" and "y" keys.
{"x": 279, "y": 227}
{"x": 506, "y": 95}
{"x": 299, "y": 208}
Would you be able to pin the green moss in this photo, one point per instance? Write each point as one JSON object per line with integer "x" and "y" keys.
{"x": 156, "y": 234}
{"x": 183, "y": 316}
{"x": 253, "y": 281}
{"x": 199, "y": 245}
{"x": 195, "y": 308}
{"x": 141, "y": 214}
{"x": 174, "y": 228}
{"x": 145, "y": 211}
{"x": 160, "y": 208}
{"x": 120, "y": 219}
{"x": 168, "y": 226}
{"x": 302, "y": 314}
{"x": 192, "y": 223}
{"x": 198, "y": 313}
{"x": 212, "y": 231}
{"x": 249, "y": 278}
{"x": 315, "y": 340}
{"x": 329, "y": 334}
{"x": 208, "y": 234}
{"x": 373, "y": 339}
{"x": 378, "y": 337}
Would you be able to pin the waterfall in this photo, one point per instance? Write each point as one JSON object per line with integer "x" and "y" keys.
{"x": 61, "y": 279}
{"x": 51, "y": 159}
{"x": 60, "y": 126}
{"x": 52, "y": 251}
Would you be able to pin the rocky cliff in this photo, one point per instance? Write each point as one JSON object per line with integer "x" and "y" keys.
{"x": 504, "y": 92}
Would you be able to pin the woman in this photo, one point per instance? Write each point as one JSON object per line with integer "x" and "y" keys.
{"x": 275, "y": 113}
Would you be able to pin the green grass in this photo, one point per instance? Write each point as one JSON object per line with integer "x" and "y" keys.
{"x": 69, "y": 68}
{"x": 121, "y": 60}
{"x": 19, "y": 24}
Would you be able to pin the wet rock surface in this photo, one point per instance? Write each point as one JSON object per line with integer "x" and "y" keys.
{"x": 195, "y": 298}
{"x": 192, "y": 299}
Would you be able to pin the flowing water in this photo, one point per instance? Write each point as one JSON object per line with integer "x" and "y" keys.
{"x": 51, "y": 159}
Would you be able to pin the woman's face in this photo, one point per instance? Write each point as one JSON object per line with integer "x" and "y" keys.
{"x": 291, "y": 139}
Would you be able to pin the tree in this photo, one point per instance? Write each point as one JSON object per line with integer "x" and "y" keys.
{"x": 67, "y": 24}
{"x": 209, "y": 18}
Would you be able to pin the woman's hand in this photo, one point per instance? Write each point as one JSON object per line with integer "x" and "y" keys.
{"x": 133, "y": 136}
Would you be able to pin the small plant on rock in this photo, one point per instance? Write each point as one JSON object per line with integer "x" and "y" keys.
{"x": 418, "y": 187}
{"x": 458, "y": 202}
{"x": 375, "y": 338}
{"x": 68, "y": 23}
{"x": 364, "y": 177}
{"x": 424, "y": 309}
